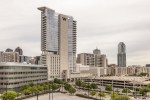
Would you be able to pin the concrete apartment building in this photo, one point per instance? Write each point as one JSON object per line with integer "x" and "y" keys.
{"x": 93, "y": 60}
{"x": 9, "y": 57}
{"x": 121, "y": 57}
{"x": 58, "y": 43}
{"x": 13, "y": 75}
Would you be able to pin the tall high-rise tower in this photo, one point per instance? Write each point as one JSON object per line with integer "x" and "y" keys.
{"x": 19, "y": 50}
{"x": 58, "y": 43}
{"x": 121, "y": 55}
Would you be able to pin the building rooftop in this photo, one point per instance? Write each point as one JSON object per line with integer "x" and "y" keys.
{"x": 132, "y": 79}
{"x": 19, "y": 64}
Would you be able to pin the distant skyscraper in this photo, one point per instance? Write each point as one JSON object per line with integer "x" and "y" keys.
{"x": 58, "y": 43}
{"x": 97, "y": 51}
{"x": 121, "y": 55}
{"x": 19, "y": 50}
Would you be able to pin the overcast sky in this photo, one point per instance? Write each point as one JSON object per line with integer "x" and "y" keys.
{"x": 100, "y": 23}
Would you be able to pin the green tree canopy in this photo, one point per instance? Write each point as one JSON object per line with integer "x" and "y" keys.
{"x": 45, "y": 87}
{"x": 31, "y": 84}
{"x": 144, "y": 90}
{"x": 67, "y": 86}
{"x": 40, "y": 88}
{"x": 78, "y": 82}
{"x": 93, "y": 86}
{"x": 72, "y": 90}
{"x": 26, "y": 92}
{"x": 108, "y": 87}
{"x": 83, "y": 84}
{"x": 25, "y": 86}
{"x": 9, "y": 95}
{"x": 54, "y": 86}
{"x": 32, "y": 89}
{"x": 92, "y": 93}
{"x": 101, "y": 94}
{"x": 113, "y": 95}
{"x": 56, "y": 81}
{"x": 126, "y": 90}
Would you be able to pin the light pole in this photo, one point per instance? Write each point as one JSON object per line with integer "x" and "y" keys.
{"x": 100, "y": 93}
{"x": 52, "y": 88}
{"x": 49, "y": 90}
{"x": 88, "y": 88}
{"x": 37, "y": 91}
{"x": 113, "y": 87}
{"x": 6, "y": 87}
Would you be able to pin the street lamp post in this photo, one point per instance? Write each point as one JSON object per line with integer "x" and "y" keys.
{"x": 113, "y": 87}
{"x": 52, "y": 88}
{"x": 100, "y": 92}
{"x": 37, "y": 91}
{"x": 88, "y": 90}
{"x": 49, "y": 90}
{"x": 6, "y": 87}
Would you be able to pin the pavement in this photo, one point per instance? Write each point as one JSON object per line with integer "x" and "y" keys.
{"x": 57, "y": 96}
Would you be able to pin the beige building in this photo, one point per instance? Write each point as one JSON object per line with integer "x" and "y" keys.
{"x": 128, "y": 71}
{"x": 87, "y": 71}
{"x": 58, "y": 43}
{"x": 14, "y": 75}
{"x": 93, "y": 60}
{"x": 9, "y": 56}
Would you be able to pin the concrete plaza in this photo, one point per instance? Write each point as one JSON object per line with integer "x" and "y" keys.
{"x": 56, "y": 96}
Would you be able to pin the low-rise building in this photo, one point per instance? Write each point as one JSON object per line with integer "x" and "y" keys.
{"x": 128, "y": 71}
{"x": 93, "y": 60}
{"x": 13, "y": 75}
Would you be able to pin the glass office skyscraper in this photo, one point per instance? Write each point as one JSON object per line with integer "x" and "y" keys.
{"x": 121, "y": 57}
{"x": 58, "y": 37}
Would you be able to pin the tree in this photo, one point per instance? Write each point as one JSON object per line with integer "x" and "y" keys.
{"x": 126, "y": 90}
{"x": 92, "y": 93}
{"x": 101, "y": 94}
{"x": 72, "y": 90}
{"x": 25, "y": 86}
{"x": 26, "y": 92}
{"x": 144, "y": 91}
{"x": 83, "y": 84}
{"x": 143, "y": 74}
{"x": 117, "y": 90}
{"x": 88, "y": 86}
{"x": 56, "y": 81}
{"x": 32, "y": 89}
{"x": 9, "y": 95}
{"x": 78, "y": 82}
{"x": 67, "y": 86}
{"x": 31, "y": 84}
{"x": 40, "y": 88}
{"x": 93, "y": 86}
{"x": 113, "y": 95}
{"x": 54, "y": 86}
{"x": 45, "y": 87}
{"x": 122, "y": 97}
{"x": 108, "y": 87}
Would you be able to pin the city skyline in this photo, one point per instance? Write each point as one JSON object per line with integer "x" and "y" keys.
{"x": 111, "y": 22}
